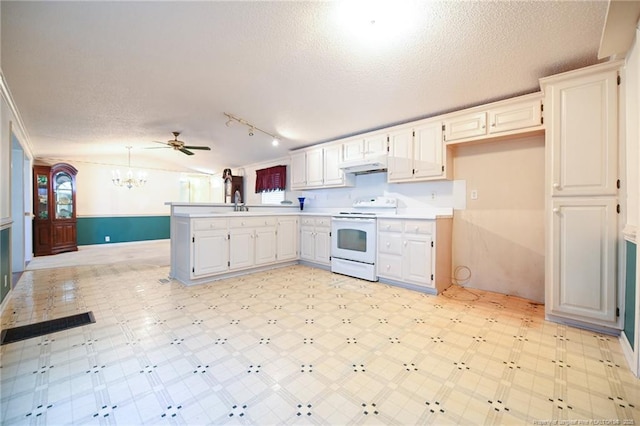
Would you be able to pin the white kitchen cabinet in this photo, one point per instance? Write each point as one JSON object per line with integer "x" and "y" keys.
{"x": 208, "y": 246}
{"x": 400, "y": 159}
{"x": 465, "y": 126}
{"x": 241, "y": 247}
{"x": 252, "y": 241}
{"x": 515, "y": 115}
{"x": 208, "y": 257}
{"x": 416, "y": 154}
{"x": 287, "y": 238}
{"x": 319, "y": 168}
{"x": 298, "y": 170}
{"x": 366, "y": 146}
{"x": 332, "y": 157}
{"x": 315, "y": 243}
{"x": 583, "y": 129}
{"x": 410, "y": 253}
{"x": 509, "y": 117}
{"x": 315, "y": 167}
{"x": 581, "y": 146}
{"x": 583, "y": 250}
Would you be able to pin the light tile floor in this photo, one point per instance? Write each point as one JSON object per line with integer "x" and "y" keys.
{"x": 298, "y": 345}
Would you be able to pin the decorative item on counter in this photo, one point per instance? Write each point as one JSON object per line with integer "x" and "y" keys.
{"x": 226, "y": 176}
{"x": 301, "y": 199}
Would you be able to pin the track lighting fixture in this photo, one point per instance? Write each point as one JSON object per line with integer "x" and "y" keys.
{"x": 252, "y": 128}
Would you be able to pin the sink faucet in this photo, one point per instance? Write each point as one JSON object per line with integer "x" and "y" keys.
{"x": 238, "y": 207}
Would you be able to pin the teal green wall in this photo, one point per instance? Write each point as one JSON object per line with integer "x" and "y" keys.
{"x": 5, "y": 263}
{"x": 121, "y": 229}
{"x": 630, "y": 294}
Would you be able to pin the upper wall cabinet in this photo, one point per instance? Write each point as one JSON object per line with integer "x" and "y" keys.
{"x": 416, "y": 154}
{"x": 582, "y": 131}
{"x": 502, "y": 118}
{"x": 365, "y": 147}
{"x": 318, "y": 168}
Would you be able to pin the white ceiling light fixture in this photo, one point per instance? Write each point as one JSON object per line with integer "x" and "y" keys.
{"x": 252, "y": 129}
{"x": 129, "y": 181}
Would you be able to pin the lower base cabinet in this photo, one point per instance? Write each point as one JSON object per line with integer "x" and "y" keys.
{"x": 315, "y": 239}
{"x": 581, "y": 270}
{"x": 409, "y": 252}
{"x": 206, "y": 247}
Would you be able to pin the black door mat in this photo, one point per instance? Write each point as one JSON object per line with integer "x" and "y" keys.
{"x": 24, "y": 332}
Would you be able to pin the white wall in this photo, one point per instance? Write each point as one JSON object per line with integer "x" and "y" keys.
{"x": 97, "y": 196}
{"x": 500, "y": 235}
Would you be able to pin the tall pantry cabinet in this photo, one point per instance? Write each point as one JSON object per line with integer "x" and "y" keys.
{"x": 582, "y": 181}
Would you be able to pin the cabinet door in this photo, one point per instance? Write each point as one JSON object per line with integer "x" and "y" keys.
{"x": 241, "y": 248}
{"x": 416, "y": 265}
{"x": 427, "y": 151}
{"x": 314, "y": 168}
{"x": 265, "y": 245}
{"x": 516, "y": 116}
{"x": 298, "y": 170}
{"x": 582, "y": 135}
{"x": 375, "y": 146}
{"x": 400, "y": 160}
{"x": 582, "y": 281}
{"x": 307, "y": 243}
{"x": 332, "y": 158}
{"x": 353, "y": 150}
{"x": 466, "y": 126}
{"x": 287, "y": 238}
{"x": 210, "y": 252}
{"x": 390, "y": 243}
{"x": 390, "y": 266}
{"x": 322, "y": 245}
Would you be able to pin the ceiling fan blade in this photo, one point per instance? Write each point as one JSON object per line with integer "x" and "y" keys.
{"x": 205, "y": 148}
{"x": 185, "y": 151}
{"x": 156, "y": 147}
{"x": 163, "y": 143}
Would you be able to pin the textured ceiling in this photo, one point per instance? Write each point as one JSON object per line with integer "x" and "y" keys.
{"x": 90, "y": 78}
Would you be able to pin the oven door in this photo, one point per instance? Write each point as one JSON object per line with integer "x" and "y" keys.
{"x": 354, "y": 239}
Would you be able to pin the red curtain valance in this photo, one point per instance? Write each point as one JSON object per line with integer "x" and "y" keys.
{"x": 271, "y": 179}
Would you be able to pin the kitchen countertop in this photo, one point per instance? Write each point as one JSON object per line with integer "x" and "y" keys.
{"x": 424, "y": 214}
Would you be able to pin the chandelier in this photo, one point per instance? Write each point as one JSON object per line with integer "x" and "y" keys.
{"x": 129, "y": 181}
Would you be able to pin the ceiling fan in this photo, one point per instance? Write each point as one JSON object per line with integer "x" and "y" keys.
{"x": 180, "y": 146}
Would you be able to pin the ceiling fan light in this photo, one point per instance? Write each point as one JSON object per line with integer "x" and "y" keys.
{"x": 275, "y": 142}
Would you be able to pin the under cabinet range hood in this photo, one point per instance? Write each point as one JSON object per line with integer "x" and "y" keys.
{"x": 365, "y": 165}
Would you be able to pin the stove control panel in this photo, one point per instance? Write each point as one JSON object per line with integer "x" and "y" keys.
{"x": 386, "y": 202}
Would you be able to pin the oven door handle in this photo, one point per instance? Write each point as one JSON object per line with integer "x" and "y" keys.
{"x": 353, "y": 219}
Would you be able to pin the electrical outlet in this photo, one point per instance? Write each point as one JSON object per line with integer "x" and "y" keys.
{"x": 474, "y": 194}
{"x": 107, "y": 239}
{"x": 433, "y": 195}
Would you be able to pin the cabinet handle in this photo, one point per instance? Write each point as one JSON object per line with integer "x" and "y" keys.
{"x": 556, "y": 210}
{"x": 388, "y": 244}
{"x": 405, "y": 244}
{"x": 388, "y": 226}
{"x": 556, "y": 185}
{"x": 388, "y": 267}
{"x": 493, "y": 124}
{"x": 417, "y": 228}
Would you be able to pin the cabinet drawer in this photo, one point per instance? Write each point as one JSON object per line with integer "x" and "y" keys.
{"x": 418, "y": 227}
{"x": 390, "y": 243}
{"x": 390, "y": 266}
{"x": 203, "y": 224}
{"x": 390, "y": 225}
{"x": 316, "y": 221}
{"x": 252, "y": 222}
{"x": 323, "y": 221}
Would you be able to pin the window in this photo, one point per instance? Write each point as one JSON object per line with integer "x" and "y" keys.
{"x": 272, "y": 197}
